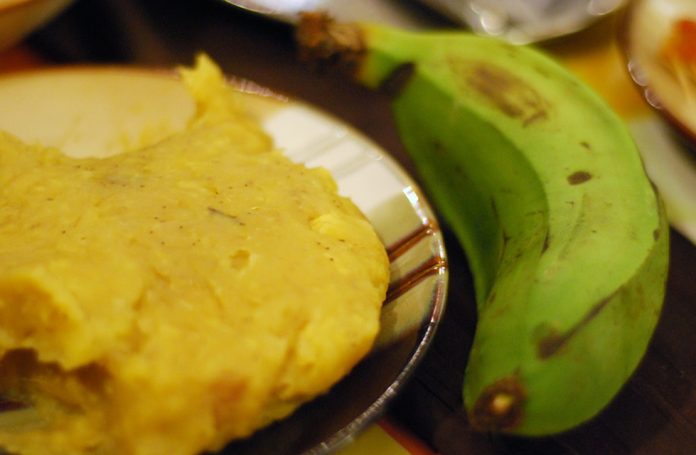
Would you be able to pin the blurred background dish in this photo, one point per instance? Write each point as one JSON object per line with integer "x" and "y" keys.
{"x": 18, "y": 18}
{"x": 659, "y": 42}
{"x": 402, "y": 14}
{"x": 528, "y": 21}
{"x": 517, "y": 21}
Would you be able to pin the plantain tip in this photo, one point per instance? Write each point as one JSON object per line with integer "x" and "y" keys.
{"x": 500, "y": 406}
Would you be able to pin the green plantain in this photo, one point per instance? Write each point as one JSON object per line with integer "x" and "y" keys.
{"x": 543, "y": 186}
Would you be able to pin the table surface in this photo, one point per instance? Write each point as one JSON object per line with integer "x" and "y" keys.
{"x": 654, "y": 414}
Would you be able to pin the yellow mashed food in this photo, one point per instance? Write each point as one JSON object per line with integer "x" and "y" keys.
{"x": 170, "y": 299}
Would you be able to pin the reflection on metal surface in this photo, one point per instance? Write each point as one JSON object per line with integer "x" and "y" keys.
{"x": 517, "y": 21}
{"x": 398, "y": 13}
{"x": 525, "y": 21}
{"x": 282, "y": 8}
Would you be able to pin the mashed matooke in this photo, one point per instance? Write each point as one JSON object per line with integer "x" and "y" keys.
{"x": 170, "y": 299}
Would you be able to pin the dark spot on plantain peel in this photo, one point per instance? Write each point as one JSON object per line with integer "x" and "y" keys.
{"x": 500, "y": 406}
{"x": 579, "y": 177}
{"x": 504, "y": 90}
{"x": 545, "y": 244}
{"x": 552, "y": 343}
{"x": 328, "y": 45}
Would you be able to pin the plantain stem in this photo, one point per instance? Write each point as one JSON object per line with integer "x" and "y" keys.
{"x": 326, "y": 44}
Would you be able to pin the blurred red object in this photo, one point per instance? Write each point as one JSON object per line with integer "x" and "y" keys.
{"x": 681, "y": 44}
{"x": 19, "y": 58}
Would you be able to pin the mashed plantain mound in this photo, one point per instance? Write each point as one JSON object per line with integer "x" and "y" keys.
{"x": 170, "y": 299}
